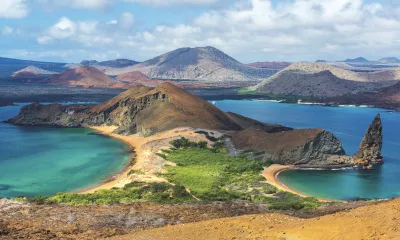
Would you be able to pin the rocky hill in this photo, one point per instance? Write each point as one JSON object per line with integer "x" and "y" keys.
{"x": 312, "y": 147}
{"x": 203, "y": 63}
{"x": 322, "y": 80}
{"x": 271, "y": 65}
{"x": 356, "y": 60}
{"x": 389, "y": 60}
{"x": 387, "y": 97}
{"x": 31, "y": 71}
{"x": 82, "y": 76}
{"x": 117, "y": 63}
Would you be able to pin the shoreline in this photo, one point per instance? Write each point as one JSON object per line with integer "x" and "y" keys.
{"x": 271, "y": 175}
{"x": 119, "y": 178}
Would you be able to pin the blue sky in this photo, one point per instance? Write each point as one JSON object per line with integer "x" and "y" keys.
{"x": 249, "y": 30}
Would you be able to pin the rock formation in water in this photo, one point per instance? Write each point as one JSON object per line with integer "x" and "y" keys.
{"x": 370, "y": 148}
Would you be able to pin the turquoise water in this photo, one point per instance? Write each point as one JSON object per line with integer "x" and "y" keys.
{"x": 43, "y": 161}
{"x": 349, "y": 125}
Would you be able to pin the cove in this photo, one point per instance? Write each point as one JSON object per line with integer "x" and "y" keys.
{"x": 43, "y": 161}
{"x": 349, "y": 125}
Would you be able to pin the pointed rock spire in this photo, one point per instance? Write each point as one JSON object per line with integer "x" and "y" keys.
{"x": 370, "y": 148}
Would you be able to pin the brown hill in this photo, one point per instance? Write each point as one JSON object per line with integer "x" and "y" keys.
{"x": 82, "y": 76}
{"x": 146, "y": 111}
{"x": 132, "y": 77}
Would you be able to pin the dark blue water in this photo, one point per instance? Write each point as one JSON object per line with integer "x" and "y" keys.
{"x": 349, "y": 125}
{"x": 43, "y": 161}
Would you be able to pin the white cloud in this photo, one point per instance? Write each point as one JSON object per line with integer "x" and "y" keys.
{"x": 164, "y": 3}
{"x": 254, "y": 30}
{"x": 13, "y": 9}
{"x": 88, "y": 27}
{"x": 82, "y": 4}
{"x": 44, "y": 40}
{"x": 63, "y": 29}
{"x": 126, "y": 20}
{"x": 7, "y": 30}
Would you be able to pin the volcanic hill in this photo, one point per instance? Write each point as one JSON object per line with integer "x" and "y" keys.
{"x": 322, "y": 80}
{"x": 31, "y": 72}
{"x": 82, "y": 76}
{"x": 202, "y": 63}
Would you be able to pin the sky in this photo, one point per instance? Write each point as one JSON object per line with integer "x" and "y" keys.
{"x": 248, "y": 30}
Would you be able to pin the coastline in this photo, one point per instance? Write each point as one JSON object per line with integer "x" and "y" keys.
{"x": 146, "y": 165}
{"x": 271, "y": 175}
{"x": 120, "y": 178}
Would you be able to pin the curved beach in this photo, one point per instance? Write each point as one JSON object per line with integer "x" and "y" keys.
{"x": 147, "y": 164}
{"x": 271, "y": 175}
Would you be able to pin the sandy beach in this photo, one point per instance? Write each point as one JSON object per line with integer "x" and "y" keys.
{"x": 146, "y": 163}
{"x": 270, "y": 174}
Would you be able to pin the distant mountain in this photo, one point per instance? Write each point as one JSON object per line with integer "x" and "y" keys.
{"x": 357, "y": 60}
{"x": 320, "y": 61}
{"x": 389, "y": 60}
{"x": 117, "y": 63}
{"x": 8, "y": 66}
{"x": 202, "y": 63}
{"x": 322, "y": 80}
{"x": 32, "y": 71}
{"x": 82, "y": 76}
{"x": 388, "y": 97}
{"x": 272, "y": 65}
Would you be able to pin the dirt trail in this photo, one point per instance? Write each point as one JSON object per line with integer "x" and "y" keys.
{"x": 379, "y": 221}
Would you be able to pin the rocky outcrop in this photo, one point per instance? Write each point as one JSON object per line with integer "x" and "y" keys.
{"x": 314, "y": 147}
{"x": 52, "y": 115}
{"x": 370, "y": 148}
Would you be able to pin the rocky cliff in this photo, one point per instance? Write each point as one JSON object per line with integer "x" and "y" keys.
{"x": 370, "y": 148}
{"x": 314, "y": 147}
{"x": 52, "y": 115}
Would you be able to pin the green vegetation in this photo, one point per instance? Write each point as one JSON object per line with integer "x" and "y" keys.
{"x": 201, "y": 173}
{"x": 132, "y": 192}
